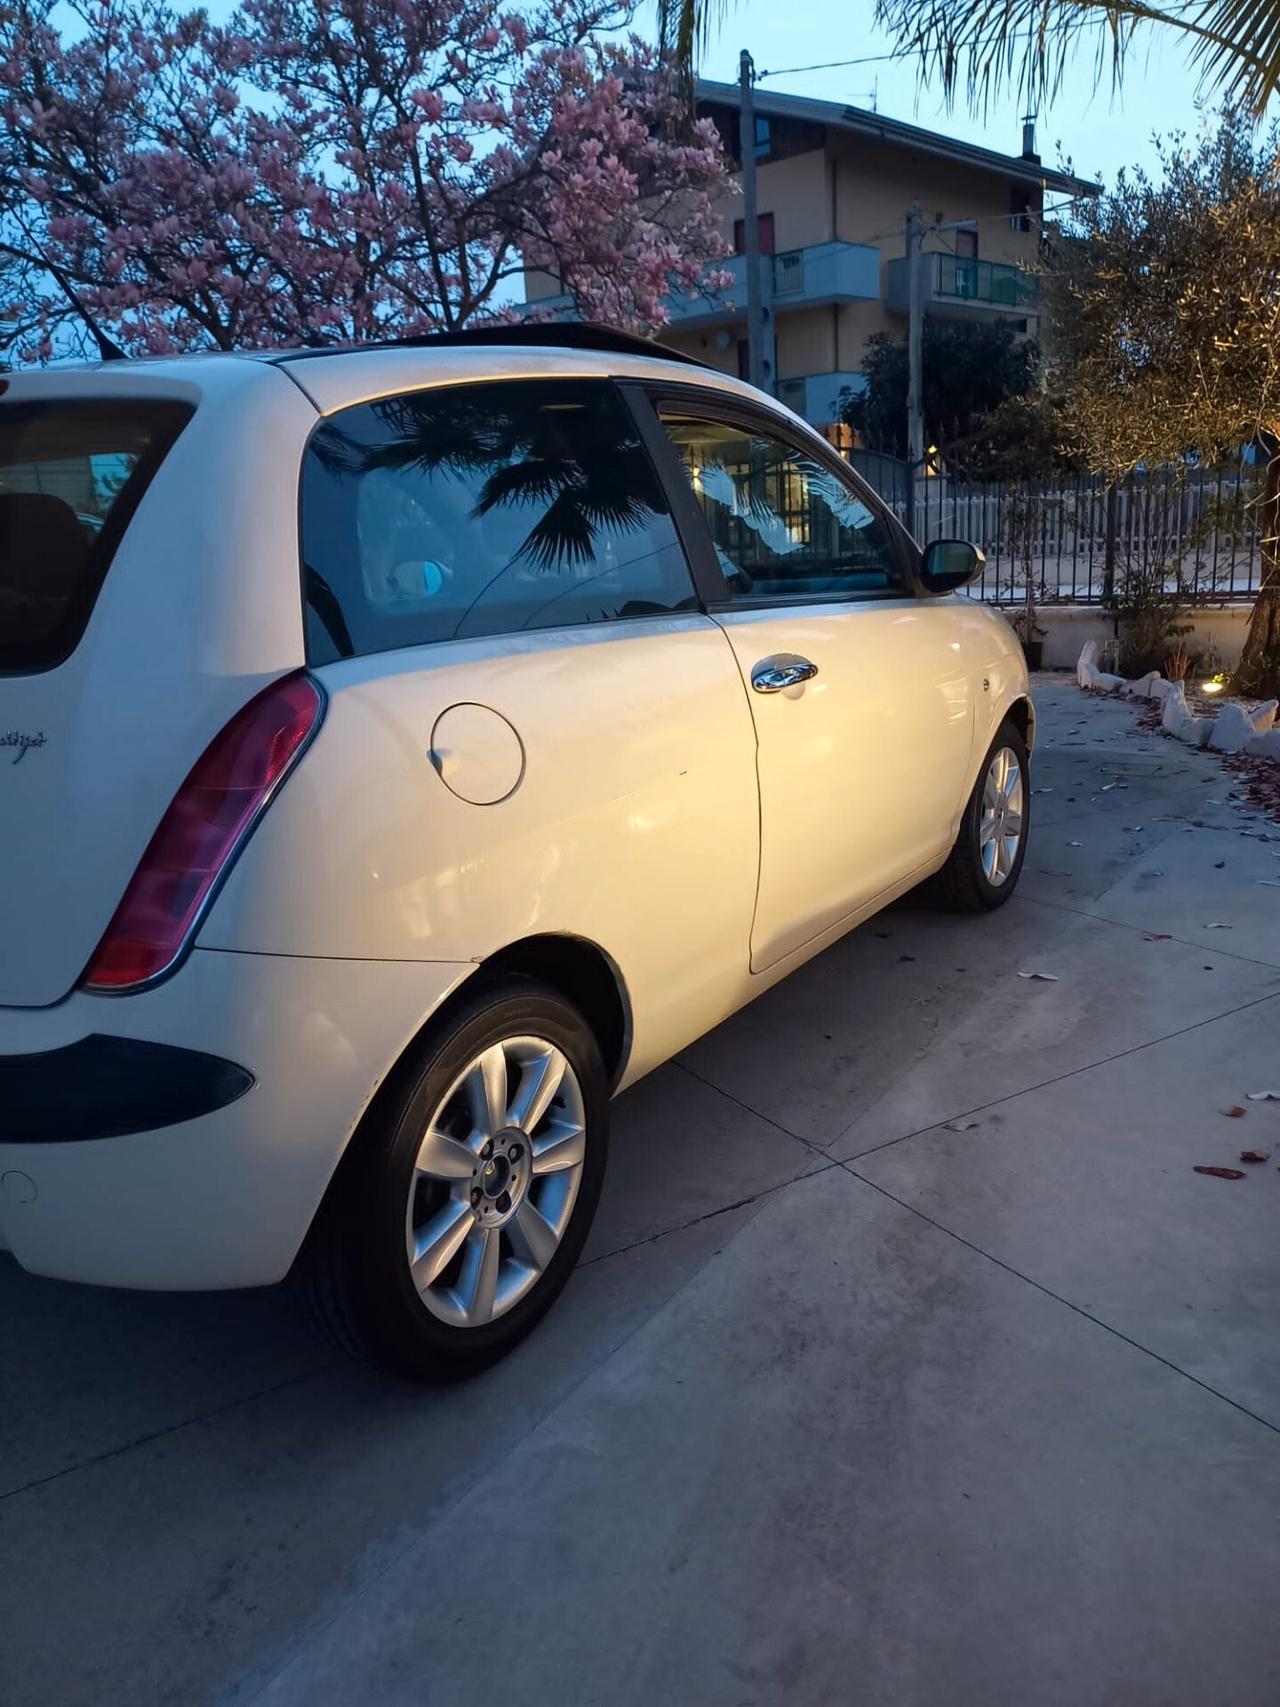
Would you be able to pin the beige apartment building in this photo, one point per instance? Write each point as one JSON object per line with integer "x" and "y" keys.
{"x": 834, "y": 187}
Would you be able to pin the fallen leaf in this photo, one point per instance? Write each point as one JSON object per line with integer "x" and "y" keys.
{"x": 1263, "y": 1096}
{"x": 1042, "y": 791}
{"x": 1219, "y": 864}
{"x": 1075, "y": 844}
{"x": 1217, "y": 925}
{"x": 1045, "y": 977}
{"x": 1158, "y": 936}
{"x": 959, "y": 1125}
{"x": 1220, "y": 1173}
{"x": 1235, "y": 1112}
{"x": 1255, "y": 1155}
{"x": 1108, "y": 786}
{"x": 1268, "y": 882}
{"x": 1131, "y": 829}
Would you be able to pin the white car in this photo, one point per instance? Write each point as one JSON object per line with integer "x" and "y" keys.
{"x": 419, "y": 744}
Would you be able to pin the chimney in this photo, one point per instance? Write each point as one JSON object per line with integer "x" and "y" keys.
{"x": 1029, "y": 138}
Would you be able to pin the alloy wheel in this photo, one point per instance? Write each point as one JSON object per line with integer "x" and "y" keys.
{"x": 1000, "y": 828}
{"x": 495, "y": 1181}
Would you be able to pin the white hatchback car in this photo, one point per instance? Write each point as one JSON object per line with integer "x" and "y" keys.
{"x": 404, "y": 749}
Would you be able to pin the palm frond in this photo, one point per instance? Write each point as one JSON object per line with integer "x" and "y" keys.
{"x": 1023, "y": 47}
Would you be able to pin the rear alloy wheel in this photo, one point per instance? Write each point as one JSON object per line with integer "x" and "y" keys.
{"x": 986, "y": 861}
{"x": 457, "y": 1221}
{"x": 495, "y": 1181}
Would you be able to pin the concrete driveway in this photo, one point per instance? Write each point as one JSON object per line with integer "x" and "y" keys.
{"x": 845, "y": 1405}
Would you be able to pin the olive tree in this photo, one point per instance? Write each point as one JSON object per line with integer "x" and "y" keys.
{"x": 1165, "y": 315}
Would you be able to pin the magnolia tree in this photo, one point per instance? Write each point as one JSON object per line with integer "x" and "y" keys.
{"x": 326, "y": 169}
{"x": 1165, "y": 300}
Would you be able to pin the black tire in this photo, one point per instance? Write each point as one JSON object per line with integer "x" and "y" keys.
{"x": 962, "y": 885}
{"x": 355, "y": 1269}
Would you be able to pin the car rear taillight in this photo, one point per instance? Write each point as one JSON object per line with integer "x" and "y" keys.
{"x": 211, "y": 817}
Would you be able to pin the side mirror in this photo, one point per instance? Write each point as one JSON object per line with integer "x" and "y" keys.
{"x": 950, "y": 563}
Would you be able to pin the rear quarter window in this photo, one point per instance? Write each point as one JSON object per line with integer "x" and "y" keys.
{"x": 495, "y": 508}
{"x": 71, "y": 476}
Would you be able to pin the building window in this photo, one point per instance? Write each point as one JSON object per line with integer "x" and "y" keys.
{"x": 764, "y": 229}
{"x": 1026, "y": 201}
{"x": 967, "y": 243}
{"x": 744, "y": 360}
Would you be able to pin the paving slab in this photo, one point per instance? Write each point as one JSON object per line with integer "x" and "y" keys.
{"x": 868, "y": 1045}
{"x": 1088, "y": 1188}
{"x": 168, "y": 1570}
{"x": 882, "y": 1469}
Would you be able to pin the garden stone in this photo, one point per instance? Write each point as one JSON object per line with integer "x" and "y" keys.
{"x": 1144, "y": 687}
{"x": 1232, "y": 730}
{"x": 1177, "y": 719}
{"x": 1265, "y": 746}
{"x": 1087, "y": 664}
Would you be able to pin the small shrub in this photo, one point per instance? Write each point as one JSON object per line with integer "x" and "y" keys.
{"x": 1177, "y": 666}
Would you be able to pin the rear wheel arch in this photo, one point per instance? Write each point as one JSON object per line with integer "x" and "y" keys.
{"x": 577, "y": 969}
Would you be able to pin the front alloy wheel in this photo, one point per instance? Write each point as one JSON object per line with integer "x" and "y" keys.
{"x": 984, "y": 865}
{"x": 1000, "y": 831}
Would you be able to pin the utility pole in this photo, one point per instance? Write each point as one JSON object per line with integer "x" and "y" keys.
{"x": 751, "y": 229}
{"x": 915, "y": 351}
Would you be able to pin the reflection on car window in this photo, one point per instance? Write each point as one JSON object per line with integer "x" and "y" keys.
{"x": 783, "y": 524}
{"x": 485, "y": 509}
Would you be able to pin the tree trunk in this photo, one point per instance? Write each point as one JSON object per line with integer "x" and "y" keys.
{"x": 1259, "y": 669}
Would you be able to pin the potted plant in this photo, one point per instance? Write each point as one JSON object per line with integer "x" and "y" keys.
{"x": 1025, "y": 626}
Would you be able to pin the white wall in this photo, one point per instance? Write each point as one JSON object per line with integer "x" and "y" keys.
{"x": 1069, "y": 626}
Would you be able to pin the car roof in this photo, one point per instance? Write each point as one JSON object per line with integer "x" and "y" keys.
{"x": 340, "y": 377}
{"x": 334, "y": 380}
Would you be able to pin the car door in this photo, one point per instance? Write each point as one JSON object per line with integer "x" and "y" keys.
{"x": 533, "y": 728}
{"x": 859, "y": 690}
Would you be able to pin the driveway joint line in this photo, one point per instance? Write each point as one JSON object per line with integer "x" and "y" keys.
{"x": 1057, "y": 1297}
{"x": 160, "y": 1433}
{"x": 1057, "y": 1078}
{"x": 1145, "y": 930}
{"x": 828, "y": 1162}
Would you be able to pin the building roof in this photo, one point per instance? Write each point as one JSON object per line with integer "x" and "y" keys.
{"x": 857, "y": 121}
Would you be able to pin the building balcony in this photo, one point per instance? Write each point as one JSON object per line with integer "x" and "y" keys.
{"x": 798, "y": 278}
{"x": 816, "y": 396}
{"x": 962, "y": 287}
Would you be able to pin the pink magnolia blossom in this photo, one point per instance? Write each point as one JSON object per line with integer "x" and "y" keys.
{"x": 320, "y": 169}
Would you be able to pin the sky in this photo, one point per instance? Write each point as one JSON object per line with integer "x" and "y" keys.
{"x": 1098, "y": 130}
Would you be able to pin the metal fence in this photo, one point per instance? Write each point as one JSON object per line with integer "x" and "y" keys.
{"x": 1192, "y": 531}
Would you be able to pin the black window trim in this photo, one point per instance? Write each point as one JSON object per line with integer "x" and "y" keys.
{"x": 311, "y": 583}
{"x": 646, "y": 397}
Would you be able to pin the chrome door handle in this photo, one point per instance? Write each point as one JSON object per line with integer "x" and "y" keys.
{"x": 783, "y": 670}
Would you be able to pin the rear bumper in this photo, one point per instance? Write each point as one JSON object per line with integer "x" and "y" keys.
{"x": 267, "y": 1064}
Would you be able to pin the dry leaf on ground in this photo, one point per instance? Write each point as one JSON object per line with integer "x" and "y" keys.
{"x": 1220, "y": 1173}
{"x": 1044, "y": 977}
{"x": 1255, "y": 1155}
{"x": 1235, "y": 1112}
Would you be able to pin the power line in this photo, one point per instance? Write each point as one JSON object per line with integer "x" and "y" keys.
{"x": 969, "y": 47}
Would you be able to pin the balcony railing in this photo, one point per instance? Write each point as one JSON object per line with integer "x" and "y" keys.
{"x": 982, "y": 281}
{"x": 955, "y": 282}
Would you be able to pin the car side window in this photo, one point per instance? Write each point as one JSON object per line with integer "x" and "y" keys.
{"x": 483, "y": 509}
{"x": 784, "y": 525}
